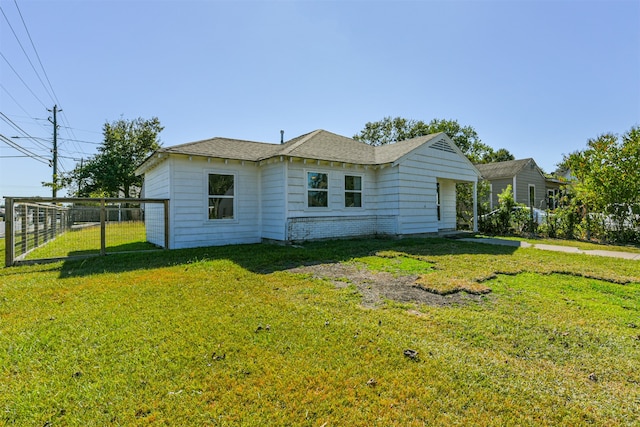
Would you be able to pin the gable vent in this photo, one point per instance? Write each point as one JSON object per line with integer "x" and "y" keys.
{"x": 442, "y": 146}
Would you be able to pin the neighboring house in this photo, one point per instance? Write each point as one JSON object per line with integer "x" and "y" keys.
{"x": 318, "y": 185}
{"x": 530, "y": 186}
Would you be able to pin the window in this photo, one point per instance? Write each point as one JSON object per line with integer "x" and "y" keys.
{"x": 352, "y": 191}
{"x": 532, "y": 195}
{"x": 317, "y": 190}
{"x": 221, "y": 195}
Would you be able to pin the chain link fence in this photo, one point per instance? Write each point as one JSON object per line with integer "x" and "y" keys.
{"x": 43, "y": 229}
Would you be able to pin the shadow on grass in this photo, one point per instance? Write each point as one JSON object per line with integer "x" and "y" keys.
{"x": 267, "y": 258}
{"x": 125, "y": 247}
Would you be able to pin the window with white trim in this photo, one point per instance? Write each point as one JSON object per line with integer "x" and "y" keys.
{"x": 317, "y": 190}
{"x": 221, "y": 196}
{"x": 352, "y": 191}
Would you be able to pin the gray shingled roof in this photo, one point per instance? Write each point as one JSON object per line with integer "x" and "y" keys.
{"x": 323, "y": 145}
{"x": 317, "y": 145}
{"x": 225, "y": 148}
{"x": 507, "y": 169}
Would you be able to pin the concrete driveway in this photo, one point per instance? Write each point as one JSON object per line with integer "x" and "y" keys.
{"x": 557, "y": 248}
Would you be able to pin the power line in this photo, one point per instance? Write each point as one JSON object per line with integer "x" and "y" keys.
{"x": 22, "y": 80}
{"x": 36, "y": 52}
{"x": 82, "y": 130}
{"x": 64, "y": 117}
{"x": 82, "y": 141}
{"x": 25, "y": 52}
{"x": 21, "y": 107}
{"x": 23, "y": 150}
{"x": 20, "y": 130}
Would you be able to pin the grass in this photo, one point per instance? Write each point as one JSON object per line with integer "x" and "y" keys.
{"x": 226, "y": 336}
{"x": 119, "y": 236}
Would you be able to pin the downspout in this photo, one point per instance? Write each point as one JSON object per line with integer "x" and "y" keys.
{"x": 515, "y": 198}
{"x": 475, "y": 206}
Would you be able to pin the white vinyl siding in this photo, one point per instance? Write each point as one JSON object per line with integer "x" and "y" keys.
{"x": 273, "y": 197}
{"x": 157, "y": 184}
{"x": 189, "y": 205}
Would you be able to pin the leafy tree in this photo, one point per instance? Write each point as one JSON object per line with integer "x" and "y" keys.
{"x": 608, "y": 174}
{"x": 110, "y": 173}
{"x": 500, "y": 155}
{"x": 390, "y": 130}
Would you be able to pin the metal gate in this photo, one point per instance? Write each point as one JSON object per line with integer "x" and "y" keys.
{"x": 38, "y": 229}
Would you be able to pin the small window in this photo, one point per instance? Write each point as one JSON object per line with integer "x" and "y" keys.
{"x": 221, "y": 195}
{"x": 317, "y": 190}
{"x": 352, "y": 191}
{"x": 532, "y": 195}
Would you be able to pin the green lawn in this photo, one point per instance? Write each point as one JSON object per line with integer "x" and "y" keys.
{"x": 228, "y": 336}
{"x": 119, "y": 237}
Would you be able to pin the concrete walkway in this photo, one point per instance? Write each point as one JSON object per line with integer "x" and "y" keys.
{"x": 556, "y": 248}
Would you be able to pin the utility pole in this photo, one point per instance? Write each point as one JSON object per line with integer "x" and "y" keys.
{"x": 55, "y": 149}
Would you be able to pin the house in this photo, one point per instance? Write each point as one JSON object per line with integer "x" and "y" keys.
{"x": 318, "y": 185}
{"x": 530, "y": 186}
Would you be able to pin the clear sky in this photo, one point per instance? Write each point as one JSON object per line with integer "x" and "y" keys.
{"x": 538, "y": 78}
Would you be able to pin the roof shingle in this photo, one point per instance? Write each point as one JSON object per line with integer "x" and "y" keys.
{"x": 507, "y": 169}
{"x": 317, "y": 145}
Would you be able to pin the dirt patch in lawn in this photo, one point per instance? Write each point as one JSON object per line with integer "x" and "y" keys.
{"x": 375, "y": 287}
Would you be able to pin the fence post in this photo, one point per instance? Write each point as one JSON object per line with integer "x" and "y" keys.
{"x": 9, "y": 253}
{"x": 103, "y": 227}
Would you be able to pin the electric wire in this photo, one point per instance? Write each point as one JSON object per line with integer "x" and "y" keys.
{"x": 22, "y": 80}
{"x": 22, "y": 108}
{"x": 18, "y": 129}
{"x": 54, "y": 98}
{"x": 23, "y": 150}
{"x": 25, "y": 52}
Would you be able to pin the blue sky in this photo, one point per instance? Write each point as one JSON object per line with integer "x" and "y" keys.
{"x": 536, "y": 77}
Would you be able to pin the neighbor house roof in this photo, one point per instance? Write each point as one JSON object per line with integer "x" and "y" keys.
{"x": 317, "y": 145}
{"x": 507, "y": 169}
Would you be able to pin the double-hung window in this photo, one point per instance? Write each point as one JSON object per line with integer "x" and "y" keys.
{"x": 352, "y": 191}
{"x": 221, "y": 196}
{"x": 317, "y": 190}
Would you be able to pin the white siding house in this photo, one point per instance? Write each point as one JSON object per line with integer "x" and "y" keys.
{"x": 318, "y": 185}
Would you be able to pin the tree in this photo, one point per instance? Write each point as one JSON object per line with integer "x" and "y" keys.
{"x": 390, "y": 130}
{"x": 500, "y": 155}
{"x": 110, "y": 173}
{"x": 608, "y": 174}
